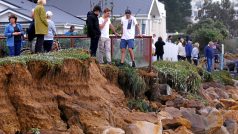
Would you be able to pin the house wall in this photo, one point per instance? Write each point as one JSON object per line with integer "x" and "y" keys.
{"x": 158, "y": 27}
{"x": 157, "y": 21}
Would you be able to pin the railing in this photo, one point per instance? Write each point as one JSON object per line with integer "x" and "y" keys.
{"x": 142, "y": 50}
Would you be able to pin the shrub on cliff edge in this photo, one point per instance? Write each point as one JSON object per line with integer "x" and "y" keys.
{"x": 182, "y": 76}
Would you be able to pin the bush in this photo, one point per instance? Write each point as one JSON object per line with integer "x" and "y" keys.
{"x": 222, "y": 77}
{"x": 139, "y": 104}
{"x": 131, "y": 82}
{"x": 206, "y": 76}
{"x": 182, "y": 76}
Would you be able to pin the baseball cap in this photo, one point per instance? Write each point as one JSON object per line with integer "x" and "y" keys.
{"x": 127, "y": 11}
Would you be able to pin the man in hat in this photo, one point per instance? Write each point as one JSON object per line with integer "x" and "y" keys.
{"x": 129, "y": 24}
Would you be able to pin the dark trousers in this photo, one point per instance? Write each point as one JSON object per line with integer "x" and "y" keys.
{"x": 159, "y": 57}
{"x": 47, "y": 45}
{"x": 181, "y": 58}
{"x": 39, "y": 43}
{"x": 189, "y": 59}
{"x": 94, "y": 46}
{"x": 195, "y": 61}
{"x": 216, "y": 56}
{"x": 16, "y": 49}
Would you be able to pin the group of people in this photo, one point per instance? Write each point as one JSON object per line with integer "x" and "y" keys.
{"x": 98, "y": 31}
{"x": 186, "y": 50}
{"x": 189, "y": 51}
{"x": 41, "y": 27}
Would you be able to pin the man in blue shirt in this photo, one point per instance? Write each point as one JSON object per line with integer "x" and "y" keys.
{"x": 71, "y": 31}
{"x": 188, "y": 49}
{"x": 209, "y": 54}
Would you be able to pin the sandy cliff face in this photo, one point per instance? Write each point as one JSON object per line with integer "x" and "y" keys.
{"x": 74, "y": 98}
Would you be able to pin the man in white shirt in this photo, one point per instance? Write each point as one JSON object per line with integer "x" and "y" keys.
{"x": 105, "y": 41}
{"x": 129, "y": 23}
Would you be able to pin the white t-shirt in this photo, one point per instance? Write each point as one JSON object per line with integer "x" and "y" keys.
{"x": 105, "y": 30}
{"x": 128, "y": 27}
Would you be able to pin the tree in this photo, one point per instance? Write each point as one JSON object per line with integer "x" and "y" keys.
{"x": 222, "y": 11}
{"x": 207, "y": 30}
{"x": 178, "y": 14}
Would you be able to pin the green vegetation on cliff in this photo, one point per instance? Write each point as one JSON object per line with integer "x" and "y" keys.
{"x": 222, "y": 77}
{"x": 131, "y": 82}
{"x": 54, "y": 58}
{"x": 181, "y": 75}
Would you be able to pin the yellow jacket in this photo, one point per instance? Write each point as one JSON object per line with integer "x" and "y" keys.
{"x": 41, "y": 24}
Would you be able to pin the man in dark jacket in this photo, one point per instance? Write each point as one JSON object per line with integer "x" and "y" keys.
{"x": 93, "y": 29}
{"x": 209, "y": 54}
{"x": 159, "y": 45}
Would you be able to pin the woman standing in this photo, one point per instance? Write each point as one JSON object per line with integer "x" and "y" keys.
{"x": 48, "y": 39}
{"x": 195, "y": 54}
{"x": 181, "y": 50}
{"x": 14, "y": 33}
{"x": 41, "y": 24}
{"x": 159, "y": 45}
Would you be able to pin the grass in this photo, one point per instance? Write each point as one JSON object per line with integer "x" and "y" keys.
{"x": 181, "y": 75}
{"x": 52, "y": 59}
{"x": 222, "y": 77}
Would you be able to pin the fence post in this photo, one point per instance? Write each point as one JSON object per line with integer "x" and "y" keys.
{"x": 112, "y": 48}
{"x": 71, "y": 42}
{"x": 222, "y": 57}
{"x": 150, "y": 53}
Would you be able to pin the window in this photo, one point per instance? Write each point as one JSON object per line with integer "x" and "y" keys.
{"x": 143, "y": 29}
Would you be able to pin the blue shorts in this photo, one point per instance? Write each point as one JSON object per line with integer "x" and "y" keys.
{"x": 129, "y": 42}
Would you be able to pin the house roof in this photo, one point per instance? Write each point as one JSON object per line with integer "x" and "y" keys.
{"x": 81, "y": 7}
{"x": 62, "y": 17}
{"x": 21, "y": 3}
{"x": 24, "y": 7}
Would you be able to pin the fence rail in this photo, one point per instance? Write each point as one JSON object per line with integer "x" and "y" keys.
{"x": 142, "y": 49}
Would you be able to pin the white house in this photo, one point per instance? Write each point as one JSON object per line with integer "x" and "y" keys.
{"x": 150, "y": 14}
{"x": 23, "y": 8}
{"x": 197, "y": 5}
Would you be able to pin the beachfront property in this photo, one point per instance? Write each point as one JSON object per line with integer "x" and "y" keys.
{"x": 150, "y": 14}
{"x": 23, "y": 10}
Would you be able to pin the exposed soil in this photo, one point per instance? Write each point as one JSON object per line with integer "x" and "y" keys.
{"x": 73, "y": 98}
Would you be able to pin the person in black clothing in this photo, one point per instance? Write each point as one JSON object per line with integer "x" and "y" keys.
{"x": 93, "y": 29}
{"x": 159, "y": 45}
{"x": 31, "y": 30}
